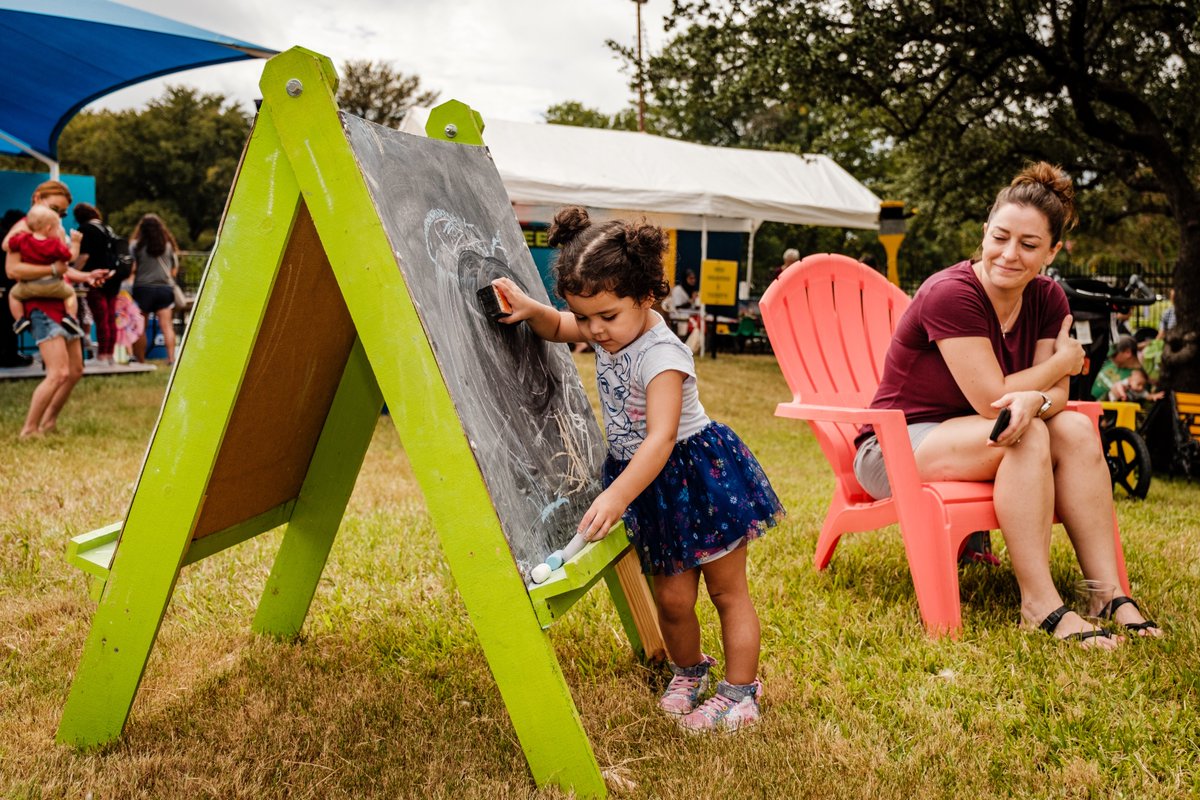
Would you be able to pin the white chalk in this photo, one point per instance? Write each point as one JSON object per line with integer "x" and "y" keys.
{"x": 540, "y": 573}
{"x": 573, "y": 547}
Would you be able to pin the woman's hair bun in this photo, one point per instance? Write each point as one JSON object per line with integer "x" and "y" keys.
{"x": 568, "y": 223}
{"x": 645, "y": 242}
{"x": 1054, "y": 180}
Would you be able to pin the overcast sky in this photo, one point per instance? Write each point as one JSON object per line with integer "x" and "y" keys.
{"x": 508, "y": 59}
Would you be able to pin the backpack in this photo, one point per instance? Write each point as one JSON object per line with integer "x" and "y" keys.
{"x": 120, "y": 260}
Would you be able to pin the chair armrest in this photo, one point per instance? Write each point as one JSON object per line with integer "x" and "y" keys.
{"x": 1089, "y": 408}
{"x": 890, "y": 428}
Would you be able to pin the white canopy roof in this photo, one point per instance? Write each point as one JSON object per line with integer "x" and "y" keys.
{"x": 545, "y": 166}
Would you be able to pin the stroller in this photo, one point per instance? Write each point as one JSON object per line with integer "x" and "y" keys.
{"x": 1095, "y": 306}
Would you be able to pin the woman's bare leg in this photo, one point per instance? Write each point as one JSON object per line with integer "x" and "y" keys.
{"x": 74, "y": 351}
{"x": 1083, "y": 489}
{"x": 56, "y": 361}
{"x": 1024, "y": 498}
{"x": 166, "y": 323}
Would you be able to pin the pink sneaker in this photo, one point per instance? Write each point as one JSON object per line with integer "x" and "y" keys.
{"x": 683, "y": 692}
{"x": 721, "y": 713}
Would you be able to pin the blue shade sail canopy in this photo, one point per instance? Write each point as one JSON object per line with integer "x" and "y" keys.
{"x": 62, "y": 54}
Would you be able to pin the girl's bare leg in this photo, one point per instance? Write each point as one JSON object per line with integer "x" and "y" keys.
{"x": 675, "y": 596}
{"x": 725, "y": 580}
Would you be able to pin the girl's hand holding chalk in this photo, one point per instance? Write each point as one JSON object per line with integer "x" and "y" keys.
{"x": 605, "y": 511}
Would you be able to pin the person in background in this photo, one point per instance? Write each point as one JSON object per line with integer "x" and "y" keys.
{"x": 1168, "y": 318}
{"x": 994, "y": 333}
{"x": 95, "y": 252}
{"x": 1135, "y": 389}
{"x": 44, "y": 244}
{"x": 61, "y": 351}
{"x": 155, "y": 264}
{"x": 10, "y": 353}
{"x": 790, "y": 256}
{"x": 683, "y": 295}
{"x": 1110, "y": 380}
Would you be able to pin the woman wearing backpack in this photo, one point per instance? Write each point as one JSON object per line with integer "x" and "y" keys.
{"x": 96, "y": 252}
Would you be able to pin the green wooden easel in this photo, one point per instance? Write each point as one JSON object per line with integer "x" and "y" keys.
{"x": 267, "y": 419}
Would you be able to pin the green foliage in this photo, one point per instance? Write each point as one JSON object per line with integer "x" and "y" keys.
{"x": 958, "y": 96}
{"x": 379, "y": 93}
{"x": 575, "y": 113}
{"x": 177, "y": 157}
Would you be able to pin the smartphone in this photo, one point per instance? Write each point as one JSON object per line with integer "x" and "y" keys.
{"x": 1001, "y": 424}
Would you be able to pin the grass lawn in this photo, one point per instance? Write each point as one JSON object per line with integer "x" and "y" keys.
{"x": 387, "y": 694}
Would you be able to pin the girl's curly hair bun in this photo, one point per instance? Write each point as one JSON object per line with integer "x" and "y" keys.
{"x": 568, "y": 223}
{"x": 645, "y": 243}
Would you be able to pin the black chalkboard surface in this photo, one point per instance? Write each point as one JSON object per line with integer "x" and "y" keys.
{"x": 519, "y": 398}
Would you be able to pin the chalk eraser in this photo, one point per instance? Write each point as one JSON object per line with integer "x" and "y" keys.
{"x": 540, "y": 573}
{"x": 493, "y": 302}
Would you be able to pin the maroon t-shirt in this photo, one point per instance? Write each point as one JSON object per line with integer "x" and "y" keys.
{"x": 952, "y": 304}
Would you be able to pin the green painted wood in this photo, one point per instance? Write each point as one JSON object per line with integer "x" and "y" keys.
{"x": 567, "y": 584}
{"x": 457, "y": 118}
{"x": 236, "y": 534}
{"x": 199, "y": 401}
{"x": 92, "y": 552}
{"x": 518, "y": 651}
{"x": 322, "y": 501}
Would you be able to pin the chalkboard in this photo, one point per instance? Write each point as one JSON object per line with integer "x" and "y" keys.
{"x": 520, "y": 400}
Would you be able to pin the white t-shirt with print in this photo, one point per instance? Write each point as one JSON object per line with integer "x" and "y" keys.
{"x": 622, "y": 378}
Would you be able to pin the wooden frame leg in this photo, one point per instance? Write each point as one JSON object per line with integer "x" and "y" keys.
{"x": 322, "y": 502}
{"x": 635, "y": 605}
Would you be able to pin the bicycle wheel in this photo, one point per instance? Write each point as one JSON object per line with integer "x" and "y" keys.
{"x": 1128, "y": 460}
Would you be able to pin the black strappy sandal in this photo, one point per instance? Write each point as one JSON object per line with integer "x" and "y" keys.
{"x": 1110, "y": 610}
{"x": 1050, "y": 623}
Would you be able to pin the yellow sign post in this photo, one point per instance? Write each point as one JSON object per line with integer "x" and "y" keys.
{"x": 891, "y": 234}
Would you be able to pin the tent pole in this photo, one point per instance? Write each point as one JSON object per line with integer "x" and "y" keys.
{"x": 703, "y": 258}
{"x": 49, "y": 162}
{"x": 750, "y": 257}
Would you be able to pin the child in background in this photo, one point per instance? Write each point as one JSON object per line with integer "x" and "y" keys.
{"x": 1135, "y": 388}
{"x": 43, "y": 245}
{"x": 691, "y": 493}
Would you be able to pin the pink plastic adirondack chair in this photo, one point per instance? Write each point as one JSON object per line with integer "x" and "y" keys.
{"x": 830, "y": 320}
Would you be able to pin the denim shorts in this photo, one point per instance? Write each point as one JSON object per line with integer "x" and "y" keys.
{"x": 868, "y": 461}
{"x": 45, "y": 328}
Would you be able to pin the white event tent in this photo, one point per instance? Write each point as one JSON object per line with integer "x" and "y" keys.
{"x": 676, "y": 184}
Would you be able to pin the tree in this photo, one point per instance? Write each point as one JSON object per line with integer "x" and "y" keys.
{"x": 969, "y": 91}
{"x": 178, "y": 157}
{"x": 575, "y": 113}
{"x": 379, "y": 93}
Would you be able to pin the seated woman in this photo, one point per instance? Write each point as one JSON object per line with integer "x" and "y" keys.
{"x": 993, "y": 333}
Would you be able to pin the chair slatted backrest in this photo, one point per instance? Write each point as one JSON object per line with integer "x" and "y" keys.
{"x": 830, "y": 320}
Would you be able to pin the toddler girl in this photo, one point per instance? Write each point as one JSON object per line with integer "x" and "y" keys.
{"x": 43, "y": 245}
{"x": 691, "y": 493}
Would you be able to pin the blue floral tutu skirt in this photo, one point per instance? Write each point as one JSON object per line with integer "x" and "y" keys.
{"x": 711, "y": 496}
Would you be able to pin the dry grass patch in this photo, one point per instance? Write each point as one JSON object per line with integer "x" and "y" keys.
{"x": 387, "y": 694}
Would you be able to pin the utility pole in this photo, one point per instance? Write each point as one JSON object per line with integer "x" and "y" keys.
{"x": 641, "y": 77}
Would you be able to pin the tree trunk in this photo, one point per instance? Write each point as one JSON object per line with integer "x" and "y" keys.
{"x": 1181, "y": 353}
